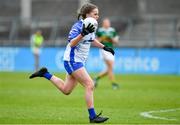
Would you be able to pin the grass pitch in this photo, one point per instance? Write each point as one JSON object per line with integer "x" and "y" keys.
{"x": 37, "y": 101}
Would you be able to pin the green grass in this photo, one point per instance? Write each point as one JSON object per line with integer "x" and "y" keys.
{"x": 37, "y": 101}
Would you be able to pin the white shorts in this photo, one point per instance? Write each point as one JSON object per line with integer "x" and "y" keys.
{"x": 106, "y": 55}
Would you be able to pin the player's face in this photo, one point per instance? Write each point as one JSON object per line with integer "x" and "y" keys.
{"x": 106, "y": 23}
{"x": 94, "y": 14}
{"x": 38, "y": 32}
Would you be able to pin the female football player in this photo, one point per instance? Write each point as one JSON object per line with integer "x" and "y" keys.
{"x": 76, "y": 53}
{"x": 107, "y": 36}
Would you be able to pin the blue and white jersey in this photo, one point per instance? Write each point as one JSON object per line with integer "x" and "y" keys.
{"x": 80, "y": 52}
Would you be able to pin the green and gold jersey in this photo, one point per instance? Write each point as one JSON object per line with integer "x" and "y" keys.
{"x": 106, "y": 35}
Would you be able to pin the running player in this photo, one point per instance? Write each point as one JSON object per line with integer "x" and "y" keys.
{"x": 107, "y": 36}
{"x": 76, "y": 53}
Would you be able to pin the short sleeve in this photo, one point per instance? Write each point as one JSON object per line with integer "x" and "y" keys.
{"x": 75, "y": 31}
{"x": 114, "y": 33}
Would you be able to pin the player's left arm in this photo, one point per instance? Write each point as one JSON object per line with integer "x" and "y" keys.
{"x": 96, "y": 43}
{"x": 115, "y": 37}
{"x": 100, "y": 45}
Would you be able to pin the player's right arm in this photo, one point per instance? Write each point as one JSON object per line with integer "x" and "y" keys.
{"x": 79, "y": 35}
{"x": 75, "y": 41}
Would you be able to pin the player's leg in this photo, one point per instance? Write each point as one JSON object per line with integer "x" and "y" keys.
{"x": 36, "y": 56}
{"x": 104, "y": 56}
{"x": 110, "y": 64}
{"x": 36, "y": 53}
{"x": 65, "y": 87}
{"x": 83, "y": 77}
{"x": 101, "y": 75}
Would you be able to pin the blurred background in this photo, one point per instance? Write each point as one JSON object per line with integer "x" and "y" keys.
{"x": 148, "y": 30}
{"x": 147, "y": 62}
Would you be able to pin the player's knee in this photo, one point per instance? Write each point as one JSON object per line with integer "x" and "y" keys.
{"x": 90, "y": 86}
{"x": 67, "y": 92}
{"x": 110, "y": 69}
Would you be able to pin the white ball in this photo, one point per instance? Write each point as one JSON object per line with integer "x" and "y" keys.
{"x": 91, "y": 20}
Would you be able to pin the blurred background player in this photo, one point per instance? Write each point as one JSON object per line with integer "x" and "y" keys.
{"x": 107, "y": 36}
{"x": 75, "y": 56}
{"x": 36, "y": 44}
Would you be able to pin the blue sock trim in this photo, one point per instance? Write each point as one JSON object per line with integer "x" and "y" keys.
{"x": 47, "y": 75}
{"x": 92, "y": 113}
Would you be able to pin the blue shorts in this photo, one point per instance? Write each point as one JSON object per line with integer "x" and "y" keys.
{"x": 72, "y": 66}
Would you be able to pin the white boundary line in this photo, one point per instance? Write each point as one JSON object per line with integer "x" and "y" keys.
{"x": 148, "y": 114}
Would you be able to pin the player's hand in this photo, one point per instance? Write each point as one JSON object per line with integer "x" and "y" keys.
{"x": 109, "y": 49}
{"x": 86, "y": 30}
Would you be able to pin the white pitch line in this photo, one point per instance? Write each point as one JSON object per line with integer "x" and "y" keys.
{"x": 149, "y": 114}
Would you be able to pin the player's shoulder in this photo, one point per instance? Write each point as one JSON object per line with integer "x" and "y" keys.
{"x": 112, "y": 29}
{"x": 77, "y": 25}
{"x": 100, "y": 29}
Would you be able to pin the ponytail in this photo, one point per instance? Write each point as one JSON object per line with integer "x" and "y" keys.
{"x": 79, "y": 15}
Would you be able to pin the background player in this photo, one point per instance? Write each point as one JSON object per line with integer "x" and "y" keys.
{"x": 77, "y": 49}
{"x": 36, "y": 44}
{"x": 107, "y": 36}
